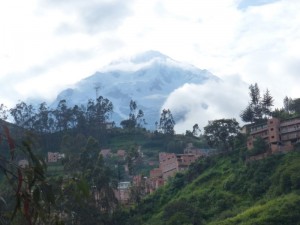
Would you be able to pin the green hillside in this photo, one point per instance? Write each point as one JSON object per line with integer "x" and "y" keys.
{"x": 226, "y": 190}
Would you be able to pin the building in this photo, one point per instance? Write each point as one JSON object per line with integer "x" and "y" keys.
{"x": 123, "y": 192}
{"x": 105, "y": 153}
{"x": 171, "y": 163}
{"x": 281, "y": 135}
{"x": 23, "y": 163}
{"x": 55, "y": 156}
{"x": 121, "y": 154}
{"x": 156, "y": 180}
{"x": 190, "y": 149}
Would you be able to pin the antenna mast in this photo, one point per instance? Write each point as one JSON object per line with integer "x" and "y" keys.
{"x": 97, "y": 88}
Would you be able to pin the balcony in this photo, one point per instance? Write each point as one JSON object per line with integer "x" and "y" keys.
{"x": 284, "y": 130}
{"x": 290, "y": 122}
{"x": 258, "y": 129}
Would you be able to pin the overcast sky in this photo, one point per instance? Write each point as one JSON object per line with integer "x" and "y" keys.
{"x": 46, "y": 45}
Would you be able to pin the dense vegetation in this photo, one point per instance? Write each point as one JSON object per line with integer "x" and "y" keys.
{"x": 226, "y": 190}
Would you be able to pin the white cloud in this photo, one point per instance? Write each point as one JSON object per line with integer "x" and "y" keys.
{"x": 213, "y": 100}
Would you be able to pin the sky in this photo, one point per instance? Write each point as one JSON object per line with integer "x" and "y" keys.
{"x": 48, "y": 45}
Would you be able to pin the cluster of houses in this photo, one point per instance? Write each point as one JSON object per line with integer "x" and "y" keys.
{"x": 121, "y": 154}
{"x": 169, "y": 165}
{"x": 280, "y": 135}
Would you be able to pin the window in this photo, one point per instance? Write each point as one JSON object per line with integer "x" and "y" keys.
{"x": 272, "y": 137}
{"x": 272, "y": 129}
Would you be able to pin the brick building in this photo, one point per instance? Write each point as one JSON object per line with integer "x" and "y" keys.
{"x": 171, "y": 163}
{"x": 156, "y": 180}
{"x": 122, "y": 193}
{"x": 281, "y": 135}
{"x": 190, "y": 149}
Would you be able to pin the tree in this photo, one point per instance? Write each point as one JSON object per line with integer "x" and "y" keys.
{"x": 221, "y": 133}
{"x": 28, "y": 195}
{"x": 247, "y": 115}
{"x": 23, "y": 115}
{"x": 132, "y": 156}
{"x": 254, "y": 94}
{"x": 104, "y": 108}
{"x": 135, "y": 119}
{"x": 259, "y": 146}
{"x": 196, "y": 130}
{"x": 287, "y": 102}
{"x": 98, "y": 112}
{"x": 62, "y": 115}
{"x": 258, "y": 108}
{"x": 42, "y": 118}
{"x": 295, "y": 106}
{"x": 3, "y": 112}
{"x": 166, "y": 122}
{"x": 267, "y": 103}
{"x": 78, "y": 118}
{"x": 255, "y": 101}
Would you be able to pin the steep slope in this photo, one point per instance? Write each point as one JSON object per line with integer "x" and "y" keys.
{"x": 147, "y": 78}
{"x": 228, "y": 191}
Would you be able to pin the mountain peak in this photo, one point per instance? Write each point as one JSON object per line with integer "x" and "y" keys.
{"x": 137, "y": 61}
{"x": 148, "y": 78}
{"x": 148, "y": 56}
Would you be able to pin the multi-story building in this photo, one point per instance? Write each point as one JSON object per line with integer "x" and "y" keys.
{"x": 122, "y": 193}
{"x": 156, "y": 180}
{"x": 190, "y": 149}
{"x": 171, "y": 163}
{"x": 281, "y": 135}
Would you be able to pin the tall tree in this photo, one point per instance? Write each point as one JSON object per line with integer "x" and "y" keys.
{"x": 254, "y": 94}
{"x": 295, "y": 106}
{"x": 135, "y": 118}
{"x": 166, "y": 122}
{"x": 287, "y": 102}
{"x": 62, "y": 115}
{"x": 99, "y": 112}
{"x": 3, "y": 112}
{"x": 221, "y": 133}
{"x": 258, "y": 108}
{"x": 104, "y": 108}
{"x": 247, "y": 115}
{"x": 23, "y": 115}
{"x": 196, "y": 130}
{"x": 42, "y": 118}
{"x": 267, "y": 103}
{"x": 78, "y": 118}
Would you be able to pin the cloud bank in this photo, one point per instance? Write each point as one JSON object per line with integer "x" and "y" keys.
{"x": 216, "y": 99}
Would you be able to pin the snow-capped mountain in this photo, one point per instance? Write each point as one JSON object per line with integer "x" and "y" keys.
{"x": 147, "y": 78}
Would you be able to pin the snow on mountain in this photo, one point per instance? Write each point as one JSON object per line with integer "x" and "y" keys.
{"x": 147, "y": 78}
